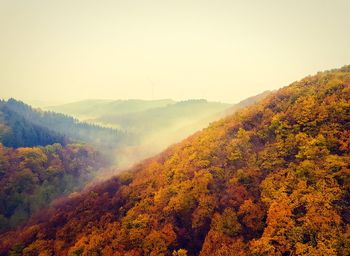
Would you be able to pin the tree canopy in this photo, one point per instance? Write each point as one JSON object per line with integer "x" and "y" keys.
{"x": 272, "y": 179}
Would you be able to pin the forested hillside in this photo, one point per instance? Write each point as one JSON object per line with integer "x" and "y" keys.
{"x": 16, "y": 131}
{"x": 30, "y": 178}
{"x": 37, "y": 163}
{"x": 272, "y": 179}
{"x": 22, "y": 125}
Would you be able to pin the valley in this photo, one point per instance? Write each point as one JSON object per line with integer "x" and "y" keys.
{"x": 271, "y": 178}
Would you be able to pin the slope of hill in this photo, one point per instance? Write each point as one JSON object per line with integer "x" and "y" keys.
{"x": 16, "y": 131}
{"x": 272, "y": 179}
{"x": 91, "y": 109}
{"x": 30, "y": 178}
{"x": 247, "y": 102}
{"x": 23, "y": 125}
{"x": 204, "y": 122}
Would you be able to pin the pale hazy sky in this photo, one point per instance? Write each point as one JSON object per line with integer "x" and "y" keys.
{"x": 68, "y": 50}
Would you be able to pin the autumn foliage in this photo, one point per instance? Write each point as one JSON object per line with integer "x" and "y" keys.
{"x": 273, "y": 179}
{"x": 31, "y": 177}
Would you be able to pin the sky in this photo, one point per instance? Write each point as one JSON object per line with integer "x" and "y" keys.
{"x": 222, "y": 50}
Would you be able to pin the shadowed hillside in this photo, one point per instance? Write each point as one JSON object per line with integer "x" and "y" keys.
{"x": 272, "y": 179}
{"x": 17, "y": 131}
{"x": 21, "y": 125}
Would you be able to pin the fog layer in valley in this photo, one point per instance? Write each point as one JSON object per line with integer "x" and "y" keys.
{"x": 152, "y": 125}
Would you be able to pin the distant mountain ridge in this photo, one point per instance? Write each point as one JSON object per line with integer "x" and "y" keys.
{"x": 26, "y": 126}
{"x": 163, "y": 116}
{"x": 90, "y": 109}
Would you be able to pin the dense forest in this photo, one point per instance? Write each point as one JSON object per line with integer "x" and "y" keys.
{"x": 16, "y": 131}
{"x": 272, "y": 179}
{"x": 38, "y": 163}
{"x": 22, "y": 125}
{"x": 26, "y": 189}
{"x": 30, "y": 178}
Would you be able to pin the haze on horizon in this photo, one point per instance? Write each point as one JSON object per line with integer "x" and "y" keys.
{"x": 63, "y": 51}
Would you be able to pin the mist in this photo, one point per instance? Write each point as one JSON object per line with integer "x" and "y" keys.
{"x": 150, "y": 142}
